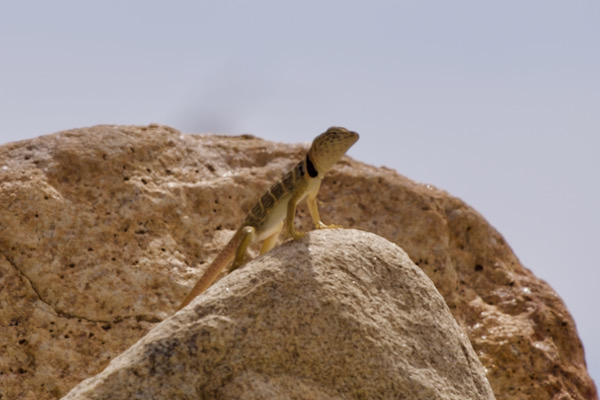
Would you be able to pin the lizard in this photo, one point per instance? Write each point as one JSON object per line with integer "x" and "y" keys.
{"x": 266, "y": 219}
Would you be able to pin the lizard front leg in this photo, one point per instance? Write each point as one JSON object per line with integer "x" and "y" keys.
{"x": 311, "y": 201}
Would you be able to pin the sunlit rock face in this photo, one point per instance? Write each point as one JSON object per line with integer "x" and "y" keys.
{"x": 104, "y": 230}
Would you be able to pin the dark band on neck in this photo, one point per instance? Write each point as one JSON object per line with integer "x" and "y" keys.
{"x": 310, "y": 167}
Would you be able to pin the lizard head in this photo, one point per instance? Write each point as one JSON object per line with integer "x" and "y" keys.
{"x": 329, "y": 147}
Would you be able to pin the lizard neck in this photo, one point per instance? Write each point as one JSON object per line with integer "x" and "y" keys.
{"x": 311, "y": 168}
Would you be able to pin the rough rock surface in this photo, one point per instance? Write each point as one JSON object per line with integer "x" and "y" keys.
{"x": 104, "y": 230}
{"x": 341, "y": 314}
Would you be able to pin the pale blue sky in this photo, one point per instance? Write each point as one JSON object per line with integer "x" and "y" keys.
{"x": 496, "y": 102}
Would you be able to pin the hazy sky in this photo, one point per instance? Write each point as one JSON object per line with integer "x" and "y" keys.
{"x": 498, "y": 102}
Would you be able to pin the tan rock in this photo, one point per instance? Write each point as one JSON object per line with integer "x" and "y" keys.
{"x": 342, "y": 314}
{"x": 104, "y": 230}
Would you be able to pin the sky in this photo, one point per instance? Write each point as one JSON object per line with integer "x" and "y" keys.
{"x": 497, "y": 102}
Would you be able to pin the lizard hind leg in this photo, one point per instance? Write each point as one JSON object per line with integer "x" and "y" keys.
{"x": 248, "y": 233}
{"x": 271, "y": 241}
{"x": 234, "y": 250}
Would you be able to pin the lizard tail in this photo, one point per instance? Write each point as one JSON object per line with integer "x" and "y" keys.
{"x": 223, "y": 259}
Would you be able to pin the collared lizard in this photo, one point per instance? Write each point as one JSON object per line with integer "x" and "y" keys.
{"x": 278, "y": 204}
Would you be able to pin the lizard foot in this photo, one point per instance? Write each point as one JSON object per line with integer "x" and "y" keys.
{"x": 297, "y": 235}
{"x": 321, "y": 225}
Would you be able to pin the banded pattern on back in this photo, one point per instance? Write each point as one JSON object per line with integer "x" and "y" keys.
{"x": 284, "y": 186}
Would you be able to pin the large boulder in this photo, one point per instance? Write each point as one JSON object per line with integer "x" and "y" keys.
{"x": 339, "y": 315}
{"x": 104, "y": 230}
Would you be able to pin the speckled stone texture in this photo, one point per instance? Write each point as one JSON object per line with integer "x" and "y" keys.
{"x": 342, "y": 314}
{"x": 104, "y": 230}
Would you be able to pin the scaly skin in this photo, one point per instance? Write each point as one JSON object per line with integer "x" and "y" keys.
{"x": 278, "y": 204}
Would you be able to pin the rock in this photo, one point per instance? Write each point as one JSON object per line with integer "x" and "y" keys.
{"x": 343, "y": 314}
{"x": 104, "y": 230}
